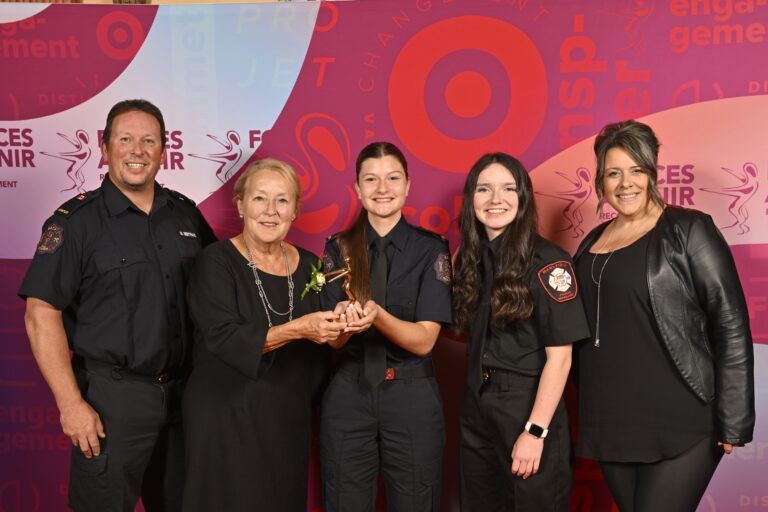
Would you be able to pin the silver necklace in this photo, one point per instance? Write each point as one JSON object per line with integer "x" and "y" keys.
{"x": 598, "y": 282}
{"x": 264, "y": 300}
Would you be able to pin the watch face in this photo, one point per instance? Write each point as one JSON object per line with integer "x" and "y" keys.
{"x": 535, "y": 430}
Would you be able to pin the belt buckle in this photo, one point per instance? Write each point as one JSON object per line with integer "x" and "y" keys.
{"x": 390, "y": 374}
{"x": 163, "y": 378}
{"x": 486, "y": 375}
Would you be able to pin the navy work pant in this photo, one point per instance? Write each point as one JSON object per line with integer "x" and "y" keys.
{"x": 142, "y": 455}
{"x": 489, "y": 424}
{"x": 396, "y": 429}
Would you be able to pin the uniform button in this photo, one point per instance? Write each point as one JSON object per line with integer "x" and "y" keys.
{"x": 485, "y": 356}
{"x": 123, "y": 260}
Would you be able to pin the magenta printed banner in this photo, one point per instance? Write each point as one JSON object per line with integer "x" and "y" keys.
{"x": 446, "y": 80}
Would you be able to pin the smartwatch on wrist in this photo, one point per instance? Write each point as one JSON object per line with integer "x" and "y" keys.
{"x": 535, "y": 430}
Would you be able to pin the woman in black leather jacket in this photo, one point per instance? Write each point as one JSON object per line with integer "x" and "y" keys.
{"x": 666, "y": 382}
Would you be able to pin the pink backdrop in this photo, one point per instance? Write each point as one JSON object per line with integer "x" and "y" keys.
{"x": 447, "y": 81}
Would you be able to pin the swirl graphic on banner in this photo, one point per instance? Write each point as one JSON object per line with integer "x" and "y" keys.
{"x": 464, "y": 86}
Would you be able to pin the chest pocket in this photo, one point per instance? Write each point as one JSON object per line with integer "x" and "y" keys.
{"x": 401, "y": 302}
{"x": 122, "y": 270}
{"x": 188, "y": 249}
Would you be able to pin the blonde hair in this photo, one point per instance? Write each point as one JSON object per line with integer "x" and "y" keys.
{"x": 272, "y": 164}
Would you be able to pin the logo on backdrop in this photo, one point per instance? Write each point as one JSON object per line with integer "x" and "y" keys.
{"x": 226, "y": 160}
{"x": 574, "y": 199}
{"x": 461, "y": 86}
{"x": 740, "y": 194}
{"x": 75, "y": 159}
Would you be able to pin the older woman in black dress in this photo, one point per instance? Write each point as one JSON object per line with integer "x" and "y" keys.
{"x": 666, "y": 383}
{"x": 259, "y": 356}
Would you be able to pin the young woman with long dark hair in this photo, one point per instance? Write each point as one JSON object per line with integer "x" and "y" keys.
{"x": 517, "y": 295}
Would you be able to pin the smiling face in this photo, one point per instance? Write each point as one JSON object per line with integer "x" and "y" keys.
{"x": 268, "y": 206}
{"x": 382, "y": 187}
{"x": 134, "y": 151}
{"x": 625, "y": 184}
{"x": 495, "y": 200}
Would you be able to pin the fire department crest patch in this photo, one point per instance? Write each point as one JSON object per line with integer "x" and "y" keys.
{"x": 557, "y": 279}
{"x": 327, "y": 263}
{"x": 443, "y": 268}
{"x": 52, "y": 238}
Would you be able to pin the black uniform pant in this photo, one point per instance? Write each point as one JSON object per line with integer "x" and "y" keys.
{"x": 669, "y": 485}
{"x": 143, "y": 452}
{"x": 489, "y": 424}
{"x": 396, "y": 429}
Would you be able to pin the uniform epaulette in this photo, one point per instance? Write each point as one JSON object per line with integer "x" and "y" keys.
{"x": 179, "y": 195}
{"x": 430, "y": 232}
{"x": 77, "y": 202}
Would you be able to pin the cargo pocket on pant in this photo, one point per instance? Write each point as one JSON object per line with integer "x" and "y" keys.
{"x": 88, "y": 482}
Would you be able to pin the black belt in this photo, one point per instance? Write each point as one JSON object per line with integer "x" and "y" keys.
{"x": 508, "y": 379}
{"x": 414, "y": 371}
{"x": 115, "y": 372}
{"x": 422, "y": 369}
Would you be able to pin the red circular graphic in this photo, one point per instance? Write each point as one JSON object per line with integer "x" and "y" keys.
{"x": 119, "y": 35}
{"x": 468, "y": 94}
{"x": 524, "y": 70}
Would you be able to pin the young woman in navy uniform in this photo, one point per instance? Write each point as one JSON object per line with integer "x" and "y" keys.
{"x": 516, "y": 293}
{"x": 382, "y": 412}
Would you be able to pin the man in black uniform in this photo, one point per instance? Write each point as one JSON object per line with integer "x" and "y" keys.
{"x": 108, "y": 283}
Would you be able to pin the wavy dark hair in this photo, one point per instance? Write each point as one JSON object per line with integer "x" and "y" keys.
{"x": 353, "y": 243}
{"x": 640, "y": 143}
{"x": 511, "y": 299}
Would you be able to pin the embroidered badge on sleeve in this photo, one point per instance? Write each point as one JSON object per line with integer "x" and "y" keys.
{"x": 327, "y": 263}
{"x": 443, "y": 268}
{"x": 557, "y": 279}
{"x": 52, "y": 238}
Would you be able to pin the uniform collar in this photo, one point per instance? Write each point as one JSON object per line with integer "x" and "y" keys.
{"x": 117, "y": 202}
{"x": 398, "y": 235}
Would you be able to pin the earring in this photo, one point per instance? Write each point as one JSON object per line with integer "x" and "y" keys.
{"x": 241, "y": 215}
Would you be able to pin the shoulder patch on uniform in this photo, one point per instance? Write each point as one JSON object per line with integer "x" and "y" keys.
{"x": 76, "y": 203}
{"x": 51, "y": 239}
{"x": 327, "y": 263}
{"x": 443, "y": 268}
{"x": 179, "y": 195}
{"x": 557, "y": 279}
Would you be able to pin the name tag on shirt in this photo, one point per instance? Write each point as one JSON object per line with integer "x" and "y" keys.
{"x": 188, "y": 234}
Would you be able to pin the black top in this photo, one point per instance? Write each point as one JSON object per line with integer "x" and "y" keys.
{"x": 418, "y": 284}
{"x": 119, "y": 276}
{"x": 633, "y": 404}
{"x": 247, "y": 415}
{"x": 557, "y": 319}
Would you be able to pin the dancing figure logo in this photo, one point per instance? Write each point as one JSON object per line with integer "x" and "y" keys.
{"x": 76, "y": 159}
{"x": 226, "y": 160}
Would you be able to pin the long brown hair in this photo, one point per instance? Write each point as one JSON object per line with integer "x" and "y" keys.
{"x": 511, "y": 299}
{"x": 353, "y": 242}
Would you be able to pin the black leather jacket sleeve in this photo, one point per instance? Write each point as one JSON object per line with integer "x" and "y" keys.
{"x": 720, "y": 295}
